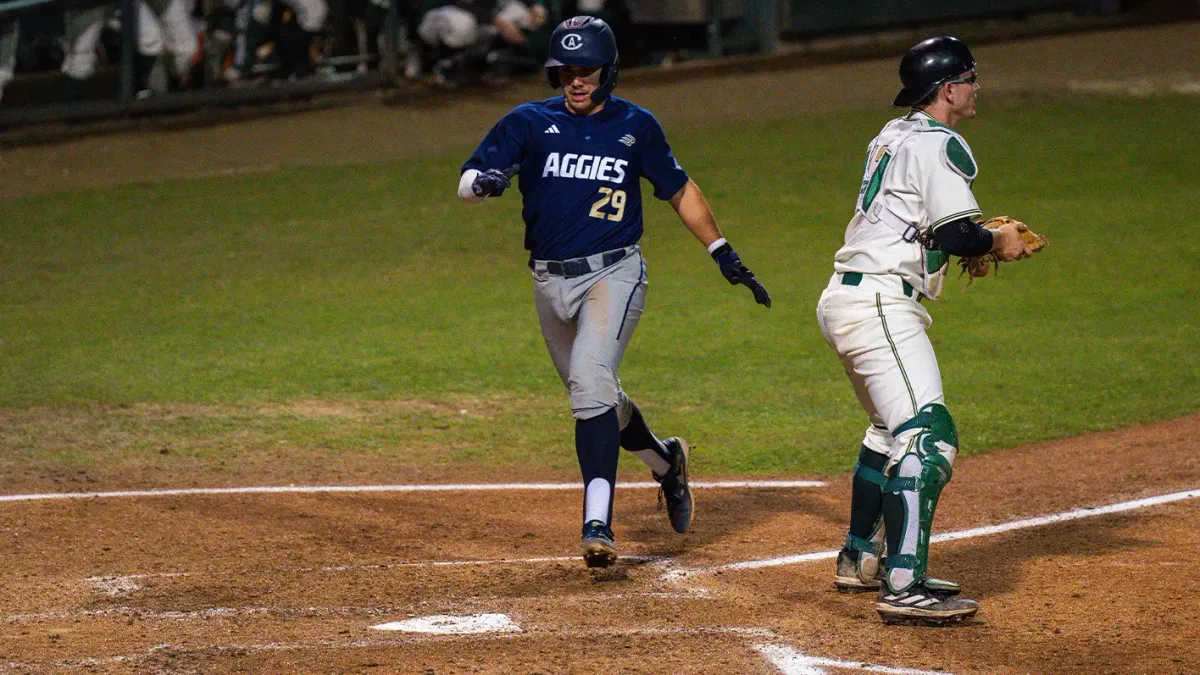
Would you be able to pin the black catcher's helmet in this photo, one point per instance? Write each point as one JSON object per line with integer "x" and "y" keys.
{"x": 584, "y": 41}
{"x": 929, "y": 65}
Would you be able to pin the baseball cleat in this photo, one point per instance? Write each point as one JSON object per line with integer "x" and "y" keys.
{"x": 598, "y": 547}
{"x": 867, "y": 575}
{"x": 920, "y": 604}
{"x": 673, "y": 487}
{"x": 857, "y": 576}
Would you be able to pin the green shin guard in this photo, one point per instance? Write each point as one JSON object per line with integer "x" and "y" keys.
{"x": 916, "y": 482}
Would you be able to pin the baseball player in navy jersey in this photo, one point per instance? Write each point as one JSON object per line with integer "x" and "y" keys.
{"x": 915, "y": 209}
{"x": 580, "y": 157}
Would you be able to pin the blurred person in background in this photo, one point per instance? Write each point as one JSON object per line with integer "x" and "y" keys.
{"x": 162, "y": 25}
{"x": 9, "y": 36}
{"x": 284, "y": 31}
{"x": 296, "y": 35}
{"x": 460, "y": 34}
{"x": 369, "y": 19}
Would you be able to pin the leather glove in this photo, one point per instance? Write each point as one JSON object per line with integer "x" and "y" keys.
{"x": 735, "y": 272}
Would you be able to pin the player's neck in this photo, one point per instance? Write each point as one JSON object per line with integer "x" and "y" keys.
{"x": 941, "y": 113}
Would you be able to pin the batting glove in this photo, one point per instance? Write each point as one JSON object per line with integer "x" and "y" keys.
{"x": 491, "y": 183}
{"x": 737, "y": 273}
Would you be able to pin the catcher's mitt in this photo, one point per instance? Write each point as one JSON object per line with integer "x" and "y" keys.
{"x": 980, "y": 265}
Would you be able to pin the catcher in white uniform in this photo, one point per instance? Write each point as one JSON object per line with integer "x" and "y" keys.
{"x": 915, "y": 209}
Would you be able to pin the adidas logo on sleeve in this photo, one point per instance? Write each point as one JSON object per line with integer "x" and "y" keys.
{"x": 553, "y": 129}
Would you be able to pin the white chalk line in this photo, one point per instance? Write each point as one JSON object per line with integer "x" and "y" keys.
{"x": 116, "y": 585}
{"x": 144, "y": 613}
{"x": 791, "y": 661}
{"x": 465, "y": 487}
{"x": 315, "y": 612}
{"x": 384, "y": 642}
{"x": 1065, "y": 516}
{"x": 204, "y": 614}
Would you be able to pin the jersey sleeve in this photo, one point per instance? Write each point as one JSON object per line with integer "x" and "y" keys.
{"x": 947, "y": 171}
{"x": 659, "y": 165}
{"x": 502, "y": 147}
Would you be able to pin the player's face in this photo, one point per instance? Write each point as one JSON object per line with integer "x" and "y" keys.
{"x": 578, "y": 83}
{"x": 962, "y": 95}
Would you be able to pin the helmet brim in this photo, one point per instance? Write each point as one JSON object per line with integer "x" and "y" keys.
{"x": 585, "y": 63}
{"x": 908, "y": 97}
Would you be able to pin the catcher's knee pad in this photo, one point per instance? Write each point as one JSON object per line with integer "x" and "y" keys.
{"x": 918, "y": 477}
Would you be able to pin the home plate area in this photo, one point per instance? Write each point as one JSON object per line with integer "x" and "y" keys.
{"x": 1074, "y": 573}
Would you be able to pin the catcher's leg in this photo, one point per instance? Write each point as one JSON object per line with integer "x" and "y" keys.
{"x": 910, "y": 496}
{"x": 858, "y": 561}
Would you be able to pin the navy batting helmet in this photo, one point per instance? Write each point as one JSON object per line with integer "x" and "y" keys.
{"x": 584, "y": 41}
{"x": 929, "y": 65}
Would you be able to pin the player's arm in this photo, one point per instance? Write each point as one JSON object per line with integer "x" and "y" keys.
{"x": 489, "y": 170}
{"x": 967, "y": 238}
{"x": 698, "y": 217}
{"x": 947, "y": 169}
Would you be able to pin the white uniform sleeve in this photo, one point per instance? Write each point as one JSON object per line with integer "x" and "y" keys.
{"x": 947, "y": 170}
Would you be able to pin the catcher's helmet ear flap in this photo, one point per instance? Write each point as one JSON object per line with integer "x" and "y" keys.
{"x": 929, "y": 65}
{"x": 584, "y": 41}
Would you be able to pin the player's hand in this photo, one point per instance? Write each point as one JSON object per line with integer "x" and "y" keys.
{"x": 735, "y": 272}
{"x": 1011, "y": 245}
{"x": 491, "y": 183}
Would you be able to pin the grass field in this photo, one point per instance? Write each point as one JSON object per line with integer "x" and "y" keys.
{"x": 360, "y": 309}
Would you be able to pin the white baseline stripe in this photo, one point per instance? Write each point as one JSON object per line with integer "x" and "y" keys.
{"x": 466, "y": 487}
{"x": 793, "y": 662}
{"x": 378, "y": 643}
{"x": 1074, "y": 514}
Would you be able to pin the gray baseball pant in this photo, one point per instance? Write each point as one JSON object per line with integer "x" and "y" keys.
{"x": 587, "y": 322}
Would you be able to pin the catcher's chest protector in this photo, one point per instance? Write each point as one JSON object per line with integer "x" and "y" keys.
{"x": 918, "y": 175}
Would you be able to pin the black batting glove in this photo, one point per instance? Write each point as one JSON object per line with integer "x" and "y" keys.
{"x": 737, "y": 273}
{"x": 491, "y": 183}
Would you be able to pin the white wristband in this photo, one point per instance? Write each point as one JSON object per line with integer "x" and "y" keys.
{"x": 716, "y": 245}
{"x": 464, "y": 187}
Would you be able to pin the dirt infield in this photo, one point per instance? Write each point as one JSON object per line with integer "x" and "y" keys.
{"x": 1134, "y": 60}
{"x": 295, "y": 582}
{"x": 298, "y": 582}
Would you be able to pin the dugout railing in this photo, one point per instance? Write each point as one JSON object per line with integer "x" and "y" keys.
{"x": 668, "y": 29}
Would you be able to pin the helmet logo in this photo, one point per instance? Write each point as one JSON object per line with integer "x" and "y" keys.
{"x": 572, "y": 41}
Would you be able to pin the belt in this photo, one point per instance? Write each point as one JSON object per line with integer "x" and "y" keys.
{"x": 855, "y": 278}
{"x": 578, "y": 267}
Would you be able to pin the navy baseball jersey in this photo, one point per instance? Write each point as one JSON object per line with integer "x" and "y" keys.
{"x": 580, "y": 175}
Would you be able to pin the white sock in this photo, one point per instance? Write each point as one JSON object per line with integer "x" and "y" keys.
{"x": 596, "y": 501}
{"x": 654, "y": 459}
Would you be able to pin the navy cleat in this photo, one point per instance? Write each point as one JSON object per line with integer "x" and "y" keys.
{"x": 673, "y": 487}
{"x": 598, "y": 547}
